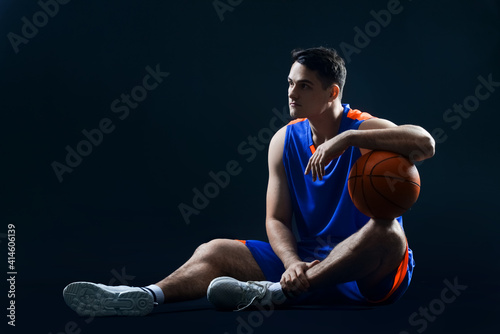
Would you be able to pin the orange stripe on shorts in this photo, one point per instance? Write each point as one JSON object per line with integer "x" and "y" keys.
{"x": 398, "y": 278}
{"x": 242, "y": 241}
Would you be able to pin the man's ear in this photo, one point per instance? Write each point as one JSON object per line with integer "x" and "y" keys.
{"x": 334, "y": 92}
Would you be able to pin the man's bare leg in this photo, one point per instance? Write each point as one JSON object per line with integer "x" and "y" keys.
{"x": 367, "y": 257}
{"x": 215, "y": 258}
{"x": 219, "y": 257}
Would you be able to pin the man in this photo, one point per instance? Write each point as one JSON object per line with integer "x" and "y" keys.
{"x": 336, "y": 255}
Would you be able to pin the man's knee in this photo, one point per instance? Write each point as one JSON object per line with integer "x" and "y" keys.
{"x": 388, "y": 235}
{"x": 215, "y": 249}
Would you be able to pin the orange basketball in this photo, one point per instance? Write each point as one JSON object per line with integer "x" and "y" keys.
{"x": 383, "y": 184}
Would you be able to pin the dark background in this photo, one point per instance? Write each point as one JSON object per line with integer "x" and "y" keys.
{"x": 115, "y": 218}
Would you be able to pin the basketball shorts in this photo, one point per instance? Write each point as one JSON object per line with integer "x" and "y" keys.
{"x": 387, "y": 291}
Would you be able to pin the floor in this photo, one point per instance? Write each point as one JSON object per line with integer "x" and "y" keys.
{"x": 449, "y": 306}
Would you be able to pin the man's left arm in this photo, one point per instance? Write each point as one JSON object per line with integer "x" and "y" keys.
{"x": 411, "y": 141}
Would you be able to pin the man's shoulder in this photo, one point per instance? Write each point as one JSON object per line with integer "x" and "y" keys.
{"x": 358, "y": 115}
{"x": 281, "y": 133}
{"x": 353, "y": 118}
{"x": 278, "y": 139}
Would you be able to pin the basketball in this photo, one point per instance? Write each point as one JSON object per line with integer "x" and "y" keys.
{"x": 383, "y": 184}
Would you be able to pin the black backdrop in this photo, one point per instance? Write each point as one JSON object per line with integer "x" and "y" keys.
{"x": 67, "y": 67}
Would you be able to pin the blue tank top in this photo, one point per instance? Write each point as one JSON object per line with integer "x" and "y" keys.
{"x": 323, "y": 210}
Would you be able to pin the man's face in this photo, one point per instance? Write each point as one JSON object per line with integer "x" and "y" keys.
{"x": 306, "y": 96}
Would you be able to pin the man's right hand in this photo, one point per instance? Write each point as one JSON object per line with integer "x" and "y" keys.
{"x": 294, "y": 280}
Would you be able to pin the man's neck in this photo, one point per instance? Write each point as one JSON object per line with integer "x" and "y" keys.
{"x": 326, "y": 125}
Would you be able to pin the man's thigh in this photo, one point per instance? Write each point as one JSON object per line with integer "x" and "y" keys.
{"x": 268, "y": 262}
{"x": 235, "y": 259}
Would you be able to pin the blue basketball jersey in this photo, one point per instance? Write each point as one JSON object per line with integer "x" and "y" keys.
{"x": 323, "y": 210}
{"x": 324, "y": 216}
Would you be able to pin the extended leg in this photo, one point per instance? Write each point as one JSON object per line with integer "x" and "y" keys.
{"x": 219, "y": 257}
{"x": 216, "y": 258}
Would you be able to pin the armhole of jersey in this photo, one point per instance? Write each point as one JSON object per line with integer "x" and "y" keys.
{"x": 285, "y": 144}
{"x": 288, "y": 135}
{"x": 358, "y": 117}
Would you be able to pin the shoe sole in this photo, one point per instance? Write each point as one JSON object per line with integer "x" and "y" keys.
{"x": 89, "y": 299}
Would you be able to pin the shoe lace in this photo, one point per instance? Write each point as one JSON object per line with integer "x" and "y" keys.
{"x": 258, "y": 290}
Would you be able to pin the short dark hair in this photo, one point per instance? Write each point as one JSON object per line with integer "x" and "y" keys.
{"x": 328, "y": 64}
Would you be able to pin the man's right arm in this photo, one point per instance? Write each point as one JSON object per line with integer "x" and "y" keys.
{"x": 279, "y": 219}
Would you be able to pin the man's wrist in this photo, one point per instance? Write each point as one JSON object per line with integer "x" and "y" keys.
{"x": 291, "y": 261}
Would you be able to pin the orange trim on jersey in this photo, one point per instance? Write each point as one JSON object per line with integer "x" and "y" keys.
{"x": 298, "y": 120}
{"x": 358, "y": 115}
{"x": 242, "y": 241}
{"x": 313, "y": 149}
{"x": 398, "y": 278}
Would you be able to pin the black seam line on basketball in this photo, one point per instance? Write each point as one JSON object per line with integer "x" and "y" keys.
{"x": 363, "y": 186}
{"x": 378, "y": 163}
{"x": 396, "y": 178}
{"x": 355, "y": 180}
{"x": 388, "y": 200}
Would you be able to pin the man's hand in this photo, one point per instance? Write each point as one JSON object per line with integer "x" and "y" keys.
{"x": 325, "y": 153}
{"x": 294, "y": 280}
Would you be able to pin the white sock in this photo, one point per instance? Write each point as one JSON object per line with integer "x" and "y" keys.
{"x": 278, "y": 294}
{"x": 156, "y": 293}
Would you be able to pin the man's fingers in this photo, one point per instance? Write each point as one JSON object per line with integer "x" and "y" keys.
{"x": 312, "y": 264}
{"x": 301, "y": 281}
{"x": 294, "y": 283}
{"x": 308, "y": 167}
{"x": 316, "y": 166}
{"x": 310, "y": 164}
{"x": 294, "y": 280}
{"x": 317, "y": 171}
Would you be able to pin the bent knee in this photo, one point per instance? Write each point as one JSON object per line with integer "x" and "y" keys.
{"x": 389, "y": 235}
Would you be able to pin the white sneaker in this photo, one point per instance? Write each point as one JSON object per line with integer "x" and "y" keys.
{"x": 101, "y": 300}
{"x": 229, "y": 293}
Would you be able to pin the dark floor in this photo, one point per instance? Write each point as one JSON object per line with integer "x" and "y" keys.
{"x": 467, "y": 310}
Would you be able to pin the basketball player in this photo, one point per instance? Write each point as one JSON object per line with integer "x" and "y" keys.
{"x": 336, "y": 255}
